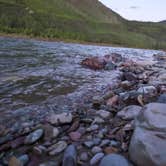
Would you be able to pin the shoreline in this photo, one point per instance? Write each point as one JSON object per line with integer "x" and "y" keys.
{"x": 20, "y": 36}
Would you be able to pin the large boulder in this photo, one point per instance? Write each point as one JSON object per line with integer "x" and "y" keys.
{"x": 148, "y": 143}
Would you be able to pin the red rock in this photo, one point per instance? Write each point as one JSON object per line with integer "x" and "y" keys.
{"x": 94, "y": 63}
{"x": 75, "y": 136}
{"x": 113, "y": 100}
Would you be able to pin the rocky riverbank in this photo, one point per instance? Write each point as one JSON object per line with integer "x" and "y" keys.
{"x": 125, "y": 125}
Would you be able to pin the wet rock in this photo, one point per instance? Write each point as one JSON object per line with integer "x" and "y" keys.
{"x": 96, "y": 149}
{"x": 150, "y": 90}
{"x": 34, "y": 136}
{"x": 110, "y": 66}
{"x": 62, "y": 118}
{"x": 148, "y": 143}
{"x": 103, "y": 114}
{"x": 70, "y": 156}
{"x": 84, "y": 156}
{"x": 160, "y": 56}
{"x": 92, "y": 128}
{"x": 113, "y": 100}
{"x": 96, "y": 159}
{"x": 162, "y": 77}
{"x": 96, "y": 141}
{"x": 57, "y": 148}
{"x": 162, "y": 98}
{"x": 114, "y": 160}
{"x": 75, "y": 136}
{"x": 50, "y": 132}
{"x": 129, "y": 112}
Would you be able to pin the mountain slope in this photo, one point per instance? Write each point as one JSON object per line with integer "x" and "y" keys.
{"x": 85, "y": 20}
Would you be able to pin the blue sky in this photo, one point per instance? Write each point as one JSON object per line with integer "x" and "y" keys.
{"x": 141, "y": 10}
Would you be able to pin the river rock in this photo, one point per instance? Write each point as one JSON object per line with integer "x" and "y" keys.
{"x": 113, "y": 100}
{"x": 84, "y": 156}
{"x": 160, "y": 56}
{"x": 57, "y": 148}
{"x": 89, "y": 144}
{"x": 13, "y": 161}
{"x": 98, "y": 120}
{"x": 62, "y": 118}
{"x": 24, "y": 159}
{"x": 150, "y": 90}
{"x": 110, "y": 66}
{"x": 129, "y": 112}
{"x": 50, "y": 132}
{"x": 114, "y": 160}
{"x": 70, "y": 156}
{"x": 129, "y": 76}
{"x": 75, "y": 136}
{"x": 96, "y": 149}
{"x": 104, "y": 114}
{"x": 94, "y": 63}
{"x": 92, "y": 128}
{"x": 34, "y": 136}
{"x": 148, "y": 143}
{"x": 162, "y": 98}
{"x": 96, "y": 158}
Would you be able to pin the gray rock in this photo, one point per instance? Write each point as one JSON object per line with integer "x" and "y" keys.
{"x": 92, "y": 128}
{"x": 162, "y": 99}
{"x": 148, "y": 143}
{"x": 105, "y": 142}
{"x": 24, "y": 159}
{"x": 50, "y": 163}
{"x": 150, "y": 90}
{"x": 70, "y": 156}
{"x": 114, "y": 143}
{"x": 98, "y": 120}
{"x": 62, "y": 118}
{"x": 96, "y": 141}
{"x": 34, "y": 136}
{"x": 57, "y": 148}
{"x": 110, "y": 66}
{"x": 114, "y": 160}
{"x": 104, "y": 114}
{"x": 96, "y": 158}
{"x": 129, "y": 112}
{"x": 84, "y": 156}
{"x": 96, "y": 149}
{"x": 89, "y": 144}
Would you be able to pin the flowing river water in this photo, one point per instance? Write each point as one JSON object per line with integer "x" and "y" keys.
{"x": 38, "y": 77}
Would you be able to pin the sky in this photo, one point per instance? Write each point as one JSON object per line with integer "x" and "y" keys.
{"x": 140, "y": 10}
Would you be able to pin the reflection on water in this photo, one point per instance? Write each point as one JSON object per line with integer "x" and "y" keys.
{"x": 44, "y": 76}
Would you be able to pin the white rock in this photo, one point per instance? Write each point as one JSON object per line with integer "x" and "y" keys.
{"x": 96, "y": 158}
{"x": 147, "y": 90}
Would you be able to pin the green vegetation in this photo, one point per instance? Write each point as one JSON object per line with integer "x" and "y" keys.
{"x": 80, "y": 20}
